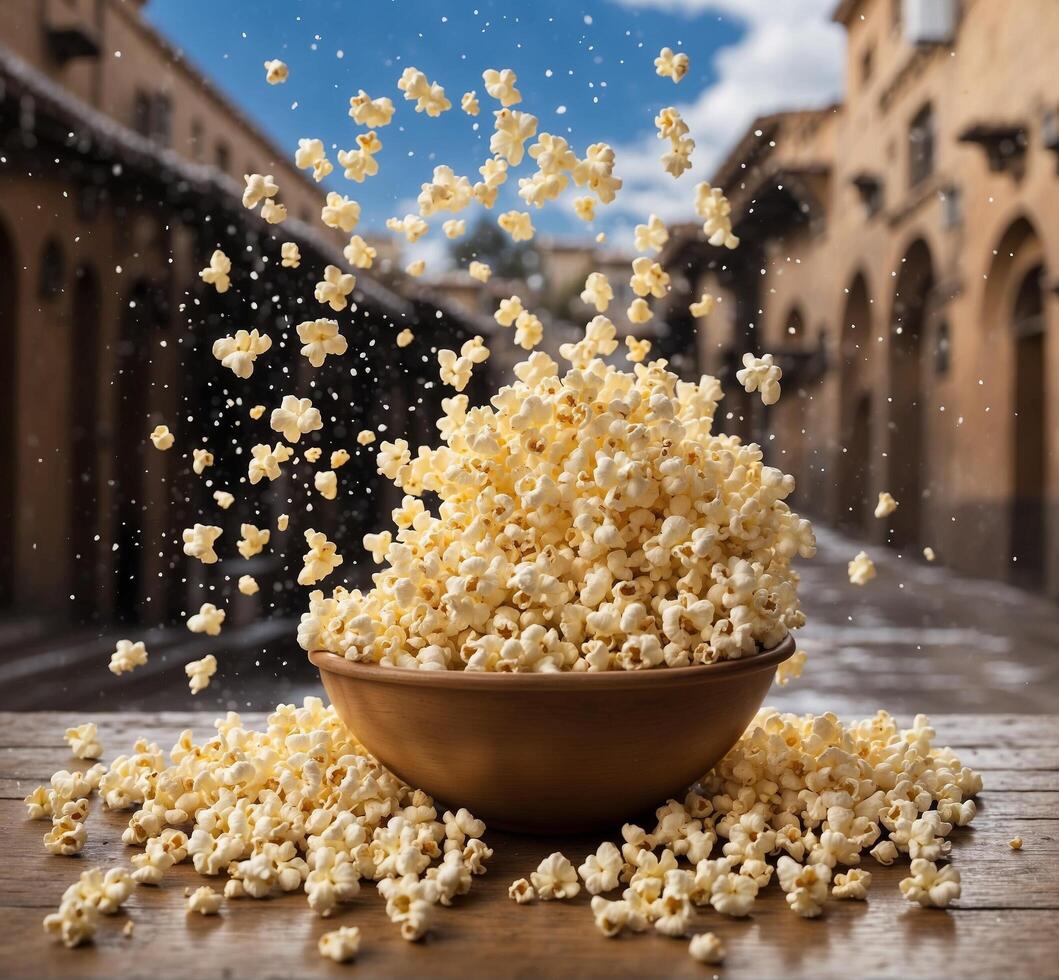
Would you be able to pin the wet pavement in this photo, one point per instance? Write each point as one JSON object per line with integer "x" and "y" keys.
{"x": 918, "y": 638}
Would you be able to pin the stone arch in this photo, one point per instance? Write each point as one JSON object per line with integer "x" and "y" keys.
{"x": 855, "y": 345}
{"x": 8, "y": 411}
{"x": 906, "y": 472}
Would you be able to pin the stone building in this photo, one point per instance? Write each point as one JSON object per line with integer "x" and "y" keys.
{"x": 900, "y": 258}
{"x": 119, "y": 176}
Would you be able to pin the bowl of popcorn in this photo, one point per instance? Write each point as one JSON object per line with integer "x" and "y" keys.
{"x": 592, "y": 615}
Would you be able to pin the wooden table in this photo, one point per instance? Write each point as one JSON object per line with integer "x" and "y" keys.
{"x": 1006, "y": 923}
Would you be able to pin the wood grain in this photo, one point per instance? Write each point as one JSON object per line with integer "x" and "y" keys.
{"x": 1004, "y": 922}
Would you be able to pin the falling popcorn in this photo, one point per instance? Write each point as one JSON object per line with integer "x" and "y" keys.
{"x": 861, "y": 569}
{"x": 216, "y": 273}
{"x": 713, "y": 207}
{"x": 886, "y": 505}
{"x": 703, "y": 306}
{"x": 469, "y": 103}
{"x": 669, "y": 65}
{"x": 501, "y": 86}
{"x": 335, "y": 287}
{"x": 201, "y": 459}
{"x": 162, "y": 438}
{"x": 128, "y": 656}
{"x": 512, "y": 129}
{"x": 199, "y": 541}
{"x": 311, "y": 155}
{"x": 248, "y": 585}
{"x": 199, "y": 673}
{"x": 411, "y": 226}
{"x": 638, "y": 349}
{"x": 223, "y": 499}
{"x": 258, "y": 187}
{"x": 207, "y": 620}
{"x": 295, "y": 417}
{"x": 365, "y": 437}
{"x": 651, "y": 236}
{"x": 761, "y": 374}
{"x": 359, "y": 164}
{"x": 340, "y": 212}
{"x": 84, "y": 741}
{"x": 320, "y": 560}
{"x": 373, "y": 113}
{"x": 319, "y": 339}
{"x": 597, "y": 292}
{"x": 639, "y": 311}
{"x": 291, "y": 256}
{"x": 517, "y": 224}
{"x": 585, "y": 208}
{"x": 238, "y": 353}
{"x": 359, "y": 253}
{"x": 454, "y": 228}
{"x": 276, "y": 72}
{"x": 405, "y": 337}
{"x": 417, "y": 268}
{"x": 252, "y": 540}
{"x": 326, "y": 484}
{"x": 429, "y": 97}
{"x": 479, "y": 271}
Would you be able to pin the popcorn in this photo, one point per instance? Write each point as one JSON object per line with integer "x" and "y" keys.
{"x": 509, "y": 311}
{"x": 103, "y": 892}
{"x": 253, "y": 540}
{"x": 638, "y": 349}
{"x": 555, "y": 878}
{"x": 517, "y": 224}
{"x": 339, "y": 458}
{"x": 340, "y": 945}
{"x": 359, "y": 164}
{"x": 205, "y": 901}
{"x": 612, "y": 917}
{"x": 223, "y": 499}
{"x": 791, "y": 669}
{"x": 456, "y": 370}
{"x": 761, "y": 374}
{"x": 469, "y": 103}
{"x": 805, "y": 887}
{"x": 162, "y": 438}
{"x": 511, "y": 130}
{"x": 248, "y": 585}
{"x": 501, "y": 86}
{"x": 417, "y": 268}
{"x": 669, "y": 65}
{"x": 258, "y": 187}
{"x": 411, "y": 226}
{"x": 886, "y": 505}
{"x": 265, "y": 462}
{"x": 852, "y": 884}
{"x": 529, "y": 331}
{"x": 238, "y": 353}
{"x": 861, "y": 569}
{"x": 928, "y": 885}
{"x": 340, "y": 212}
{"x": 84, "y": 741}
{"x": 66, "y": 837}
{"x": 651, "y": 236}
{"x": 446, "y": 192}
{"x": 216, "y": 273}
{"x": 320, "y": 560}
{"x": 713, "y": 207}
{"x": 312, "y": 155}
{"x": 128, "y": 656}
{"x": 479, "y": 271}
{"x": 639, "y": 311}
{"x": 1015, "y": 843}
{"x": 597, "y": 292}
{"x": 672, "y": 127}
{"x": 290, "y": 255}
{"x": 359, "y": 253}
{"x": 521, "y": 891}
{"x": 596, "y": 171}
{"x": 335, "y": 287}
{"x": 454, "y": 228}
{"x": 73, "y": 924}
{"x": 295, "y": 417}
{"x": 208, "y": 619}
{"x": 256, "y": 412}
{"x": 702, "y": 307}
{"x": 326, "y": 484}
{"x": 276, "y": 71}
{"x": 600, "y": 871}
{"x": 648, "y": 278}
{"x": 199, "y": 541}
{"x": 429, "y": 97}
{"x": 282, "y": 521}
{"x": 585, "y": 207}
{"x": 707, "y": 948}
{"x": 201, "y": 459}
{"x": 373, "y": 113}
{"x": 273, "y": 213}
{"x": 200, "y": 671}
{"x": 320, "y": 338}
{"x": 334, "y": 878}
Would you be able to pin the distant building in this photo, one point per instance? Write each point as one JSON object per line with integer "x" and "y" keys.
{"x": 900, "y": 257}
{"x": 119, "y": 176}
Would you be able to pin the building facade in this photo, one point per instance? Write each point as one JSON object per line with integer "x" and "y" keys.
{"x": 900, "y": 258}
{"x": 119, "y": 176}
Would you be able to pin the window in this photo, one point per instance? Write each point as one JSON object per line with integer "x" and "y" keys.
{"x": 141, "y": 113}
{"x": 921, "y": 146}
{"x": 223, "y": 157}
{"x": 196, "y": 139}
{"x": 162, "y": 120}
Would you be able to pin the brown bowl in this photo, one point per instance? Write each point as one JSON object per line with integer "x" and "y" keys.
{"x": 550, "y": 753}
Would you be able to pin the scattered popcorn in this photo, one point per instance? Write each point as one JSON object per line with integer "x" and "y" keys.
{"x": 199, "y": 541}
{"x": 585, "y": 208}
{"x": 339, "y": 458}
{"x": 84, "y": 741}
{"x": 517, "y": 224}
{"x": 703, "y": 306}
{"x": 340, "y": 212}
{"x": 312, "y": 155}
{"x": 253, "y": 540}
{"x": 639, "y": 311}
{"x": 216, "y": 273}
{"x": 273, "y": 213}
{"x": 529, "y": 331}
{"x": 290, "y": 255}
{"x": 295, "y": 417}
{"x": 128, "y": 656}
{"x": 601, "y": 871}
{"x": 238, "y": 353}
{"x": 707, "y": 948}
{"x": 335, "y": 287}
{"x": 713, "y": 207}
{"x": 501, "y": 86}
{"x": 340, "y": 945}
{"x": 265, "y": 462}
{"x": 258, "y": 187}
{"x": 454, "y": 228}
{"x": 320, "y": 560}
{"x": 521, "y": 891}
{"x": 852, "y": 884}
{"x": 205, "y": 901}
{"x": 102, "y": 891}
{"x": 511, "y": 130}
{"x": 469, "y": 103}
{"x": 761, "y": 374}
{"x": 669, "y": 65}
{"x": 886, "y": 505}
{"x": 928, "y": 553}
{"x": 207, "y": 620}
{"x": 509, "y": 311}
{"x": 320, "y": 338}
{"x": 417, "y": 268}
{"x": 281, "y": 522}
{"x": 201, "y": 459}
{"x": 555, "y": 878}
{"x": 73, "y": 924}
{"x": 200, "y": 671}
{"x": 162, "y": 438}
{"x": 638, "y": 349}
{"x": 373, "y": 113}
{"x": 446, "y": 192}
{"x": 456, "y": 369}
{"x": 648, "y": 278}
{"x": 429, "y": 97}
{"x": 672, "y": 127}
{"x": 66, "y": 837}
{"x": 928, "y": 885}
{"x": 411, "y": 226}
{"x": 326, "y": 484}
{"x": 479, "y": 271}
{"x": 404, "y": 338}
{"x": 359, "y": 164}
{"x": 596, "y": 172}
{"x": 257, "y": 411}
{"x": 365, "y": 437}
{"x": 248, "y": 585}
{"x": 861, "y": 569}
{"x": 651, "y": 236}
{"x": 276, "y": 71}
{"x": 1015, "y": 843}
{"x": 597, "y": 292}
{"x": 359, "y": 253}
{"x": 791, "y": 668}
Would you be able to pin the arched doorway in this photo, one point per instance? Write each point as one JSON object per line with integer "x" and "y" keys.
{"x": 83, "y": 426}
{"x": 8, "y": 412}
{"x": 855, "y": 407}
{"x": 1030, "y": 436}
{"x": 905, "y": 473}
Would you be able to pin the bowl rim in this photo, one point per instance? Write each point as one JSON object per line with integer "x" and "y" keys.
{"x": 557, "y": 680}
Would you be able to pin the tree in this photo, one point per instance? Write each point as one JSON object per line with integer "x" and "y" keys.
{"x": 487, "y": 243}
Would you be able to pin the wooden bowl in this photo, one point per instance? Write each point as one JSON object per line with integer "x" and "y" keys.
{"x": 550, "y": 753}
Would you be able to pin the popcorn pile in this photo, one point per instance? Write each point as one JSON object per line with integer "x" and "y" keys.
{"x": 797, "y": 798}
{"x": 299, "y": 805}
{"x": 588, "y": 521}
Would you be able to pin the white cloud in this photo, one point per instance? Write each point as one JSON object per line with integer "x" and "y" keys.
{"x": 790, "y": 57}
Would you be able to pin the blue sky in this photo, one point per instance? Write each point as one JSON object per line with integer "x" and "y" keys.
{"x": 585, "y": 70}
